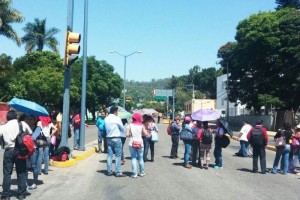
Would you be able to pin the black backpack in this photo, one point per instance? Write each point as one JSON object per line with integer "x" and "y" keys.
{"x": 206, "y": 137}
{"x": 257, "y": 138}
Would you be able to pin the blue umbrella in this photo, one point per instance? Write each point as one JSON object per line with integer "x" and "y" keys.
{"x": 28, "y": 107}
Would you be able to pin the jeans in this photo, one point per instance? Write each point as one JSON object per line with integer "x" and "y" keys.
{"x": 196, "y": 152}
{"x": 137, "y": 154}
{"x": 8, "y": 164}
{"x": 76, "y": 137}
{"x": 244, "y": 146}
{"x": 123, "y": 142}
{"x": 284, "y": 152}
{"x": 187, "y": 150}
{"x": 148, "y": 143}
{"x": 34, "y": 159}
{"x": 259, "y": 151}
{"x": 100, "y": 139}
{"x": 114, "y": 145}
{"x": 175, "y": 142}
{"x": 43, "y": 155}
{"x": 218, "y": 155}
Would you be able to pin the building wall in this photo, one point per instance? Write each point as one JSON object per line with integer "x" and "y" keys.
{"x": 222, "y": 98}
{"x": 196, "y": 104}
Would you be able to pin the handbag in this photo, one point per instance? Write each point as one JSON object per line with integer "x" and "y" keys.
{"x": 186, "y": 135}
{"x": 154, "y": 136}
{"x": 41, "y": 140}
{"x": 280, "y": 142}
{"x": 53, "y": 140}
{"x": 136, "y": 144}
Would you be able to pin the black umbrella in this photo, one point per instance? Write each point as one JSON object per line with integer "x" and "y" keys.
{"x": 225, "y": 125}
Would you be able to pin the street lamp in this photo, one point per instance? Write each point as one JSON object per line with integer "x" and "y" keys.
{"x": 124, "y": 81}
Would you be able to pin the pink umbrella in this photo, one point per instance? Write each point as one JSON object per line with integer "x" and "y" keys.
{"x": 205, "y": 115}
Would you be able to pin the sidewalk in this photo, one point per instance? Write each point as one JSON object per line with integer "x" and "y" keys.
{"x": 90, "y": 148}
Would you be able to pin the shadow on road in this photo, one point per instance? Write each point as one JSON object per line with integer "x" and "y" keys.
{"x": 245, "y": 170}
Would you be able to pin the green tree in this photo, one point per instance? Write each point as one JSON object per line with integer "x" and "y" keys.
{"x": 38, "y": 76}
{"x": 103, "y": 84}
{"x": 288, "y": 4}
{"x": 8, "y": 15}
{"x": 6, "y": 72}
{"x": 37, "y": 36}
{"x": 266, "y": 59}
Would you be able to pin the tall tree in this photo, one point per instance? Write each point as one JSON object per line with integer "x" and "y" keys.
{"x": 38, "y": 76}
{"x": 37, "y": 36}
{"x": 8, "y": 15}
{"x": 266, "y": 60}
{"x": 288, "y": 4}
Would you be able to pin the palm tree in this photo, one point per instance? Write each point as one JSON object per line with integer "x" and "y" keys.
{"x": 37, "y": 36}
{"x": 9, "y": 15}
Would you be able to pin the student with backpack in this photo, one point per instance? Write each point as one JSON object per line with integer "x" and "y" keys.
{"x": 258, "y": 138}
{"x": 205, "y": 137}
{"x": 10, "y": 131}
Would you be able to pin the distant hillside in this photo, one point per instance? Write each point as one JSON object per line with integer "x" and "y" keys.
{"x": 144, "y": 90}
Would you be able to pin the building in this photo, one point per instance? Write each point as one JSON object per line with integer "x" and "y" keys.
{"x": 235, "y": 108}
{"x": 196, "y": 104}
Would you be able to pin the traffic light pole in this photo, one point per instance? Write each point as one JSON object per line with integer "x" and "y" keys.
{"x": 83, "y": 86}
{"x": 67, "y": 78}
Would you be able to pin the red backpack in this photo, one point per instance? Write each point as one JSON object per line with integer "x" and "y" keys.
{"x": 24, "y": 145}
{"x": 169, "y": 129}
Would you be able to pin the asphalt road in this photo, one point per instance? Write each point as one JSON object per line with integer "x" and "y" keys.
{"x": 166, "y": 179}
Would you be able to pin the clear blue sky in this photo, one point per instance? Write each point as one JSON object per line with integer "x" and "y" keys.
{"x": 173, "y": 35}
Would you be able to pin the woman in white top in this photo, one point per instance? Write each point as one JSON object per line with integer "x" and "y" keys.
{"x": 135, "y": 131}
{"x": 46, "y": 125}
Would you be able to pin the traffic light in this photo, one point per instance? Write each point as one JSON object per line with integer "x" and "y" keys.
{"x": 72, "y": 47}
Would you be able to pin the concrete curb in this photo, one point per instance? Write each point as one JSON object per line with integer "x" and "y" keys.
{"x": 269, "y": 147}
{"x": 69, "y": 163}
{"x": 85, "y": 154}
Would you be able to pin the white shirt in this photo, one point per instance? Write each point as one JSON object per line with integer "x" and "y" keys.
{"x": 45, "y": 129}
{"x": 244, "y": 131}
{"x": 135, "y": 132}
{"x": 113, "y": 126}
{"x": 10, "y": 130}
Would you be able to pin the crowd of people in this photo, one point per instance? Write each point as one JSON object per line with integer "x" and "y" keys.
{"x": 45, "y": 133}
{"x": 113, "y": 131}
{"x": 198, "y": 146}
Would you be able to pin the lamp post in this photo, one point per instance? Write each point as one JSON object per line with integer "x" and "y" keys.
{"x": 124, "y": 81}
{"x": 227, "y": 106}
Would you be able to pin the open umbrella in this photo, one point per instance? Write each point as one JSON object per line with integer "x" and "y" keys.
{"x": 225, "y": 125}
{"x": 205, "y": 115}
{"x": 124, "y": 115}
{"x": 28, "y": 107}
{"x": 147, "y": 111}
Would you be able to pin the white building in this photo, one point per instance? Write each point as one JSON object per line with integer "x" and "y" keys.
{"x": 222, "y": 99}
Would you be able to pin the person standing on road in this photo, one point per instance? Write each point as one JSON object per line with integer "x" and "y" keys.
{"x": 219, "y": 133}
{"x": 258, "y": 138}
{"x": 175, "y": 128}
{"x": 135, "y": 131}
{"x": 150, "y": 126}
{"x": 205, "y": 137}
{"x": 101, "y": 131}
{"x": 283, "y": 152}
{"x": 196, "y": 146}
{"x": 243, "y": 139}
{"x": 187, "y": 143}
{"x": 114, "y": 128}
{"x": 46, "y": 125}
{"x": 9, "y": 131}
